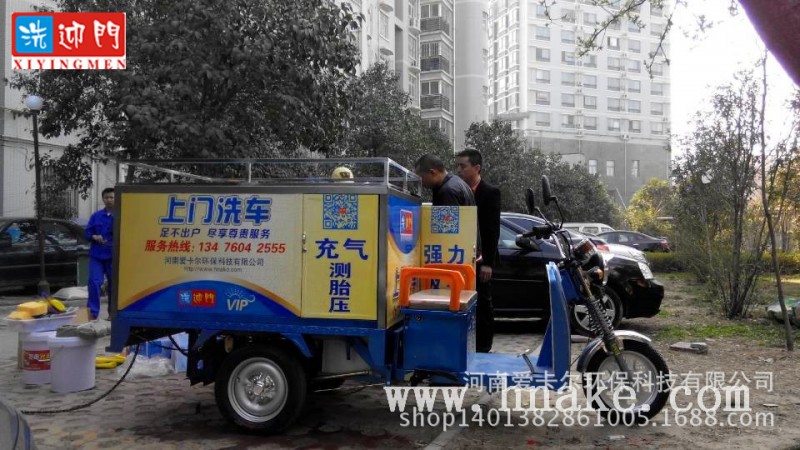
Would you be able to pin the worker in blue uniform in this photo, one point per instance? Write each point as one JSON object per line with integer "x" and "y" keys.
{"x": 100, "y": 232}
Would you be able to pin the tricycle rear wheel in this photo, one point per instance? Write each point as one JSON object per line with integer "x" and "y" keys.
{"x": 260, "y": 388}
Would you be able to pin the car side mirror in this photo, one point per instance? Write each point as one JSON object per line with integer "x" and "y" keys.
{"x": 530, "y": 201}
{"x": 5, "y": 240}
{"x": 546, "y": 192}
{"x": 526, "y": 243}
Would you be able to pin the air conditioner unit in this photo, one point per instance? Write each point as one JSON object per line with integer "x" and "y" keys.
{"x": 626, "y": 136}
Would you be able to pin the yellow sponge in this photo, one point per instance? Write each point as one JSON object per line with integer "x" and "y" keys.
{"x": 20, "y": 315}
{"x": 33, "y": 308}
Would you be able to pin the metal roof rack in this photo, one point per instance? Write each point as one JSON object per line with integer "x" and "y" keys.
{"x": 295, "y": 172}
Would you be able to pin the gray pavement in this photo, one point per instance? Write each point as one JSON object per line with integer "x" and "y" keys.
{"x": 166, "y": 412}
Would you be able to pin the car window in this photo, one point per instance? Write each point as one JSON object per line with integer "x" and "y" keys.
{"x": 604, "y": 229}
{"x": 522, "y": 222}
{"x": 610, "y": 237}
{"x": 623, "y": 238}
{"x": 60, "y": 234}
{"x": 592, "y": 230}
{"x": 22, "y": 232}
{"x": 508, "y": 238}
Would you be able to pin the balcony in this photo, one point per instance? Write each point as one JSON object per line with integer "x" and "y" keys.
{"x": 432, "y": 24}
{"x": 386, "y": 5}
{"x": 413, "y": 65}
{"x": 435, "y": 63}
{"x": 413, "y": 25}
{"x": 437, "y": 101}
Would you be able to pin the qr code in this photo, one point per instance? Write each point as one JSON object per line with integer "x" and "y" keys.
{"x": 340, "y": 212}
{"x": 444, "y": 220}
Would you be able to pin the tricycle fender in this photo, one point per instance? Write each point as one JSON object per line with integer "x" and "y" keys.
{"x": 596, "y": 345}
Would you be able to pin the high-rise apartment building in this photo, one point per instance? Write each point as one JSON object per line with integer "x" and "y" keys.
{"x": 604, "y": 109}
{"x": 438, "y": 49}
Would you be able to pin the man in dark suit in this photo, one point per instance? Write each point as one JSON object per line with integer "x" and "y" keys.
{"x": 487, "y": 198}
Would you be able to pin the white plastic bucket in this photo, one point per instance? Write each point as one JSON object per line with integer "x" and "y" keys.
{"x": 36, "y": 357}
{"x": 72, "y": 364}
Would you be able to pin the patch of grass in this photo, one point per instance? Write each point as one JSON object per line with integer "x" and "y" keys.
{"x": 759, "y": 332}
{"x": 665, "y": 313}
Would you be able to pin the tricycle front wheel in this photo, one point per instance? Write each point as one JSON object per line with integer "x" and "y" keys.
{"x": 261, "y": 388}
{"x": 628, "y": 398}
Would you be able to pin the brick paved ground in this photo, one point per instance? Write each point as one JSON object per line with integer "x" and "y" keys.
{"x": 167, "y": 413}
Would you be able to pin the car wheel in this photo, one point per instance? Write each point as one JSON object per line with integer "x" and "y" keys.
{"x": 580, "y": 314}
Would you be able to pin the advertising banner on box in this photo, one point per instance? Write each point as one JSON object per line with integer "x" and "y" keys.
{"x": 449, "y": 235}
{"x": 340, "y": 270}
{"x": 235, "y": 253}
{"x": 403, "y": 250}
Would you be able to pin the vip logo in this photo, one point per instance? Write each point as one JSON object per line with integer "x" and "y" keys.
{"x": 239, "y": 301}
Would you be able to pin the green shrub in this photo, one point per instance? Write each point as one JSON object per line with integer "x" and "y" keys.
{"x": 789, "y": 262}
{"x": 667, "y": 262}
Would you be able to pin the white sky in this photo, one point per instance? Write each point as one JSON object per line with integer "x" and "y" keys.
{"x": 699, "y": 65}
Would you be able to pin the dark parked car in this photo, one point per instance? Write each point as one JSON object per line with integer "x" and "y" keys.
{"x": 519, "y": 282}
{"x": 19, "y": 251}
{"x": 636, "y": 240}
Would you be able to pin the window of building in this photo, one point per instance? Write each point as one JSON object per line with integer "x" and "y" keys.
{"x": 513, "y": 101}
{"x": 432, "y": 10}
{"x": 431, "y": 88}
{"x": 514, "y": 55}
{"x": 592, "y": 167}
{"x": 635, "y": 126}
{"x": 429, "y": 49}
{"x": 657, "y": 128}
{"x": 542, "y": 76}
{"x": 567, "y": 36}
{"x": 657, "y": 69}
{"x": 542, "y": 119}
{"x": 615, "y": 25}
{"x": 613, "y": 43}
{"x": 634, "y": 46}
{"x": 614, "y": 84}
{"x": 657, "y": 109}
{"x": 567, "y": 121}
{"x": 656, "y": 11}
{"x": 590, "y": 81}
{"x": 614, "y": 124}
{"x": 589, "y": 60}
{"x": 567, "y": 79}
{"x": 590, "y": 123}
{"x": 568, "y": 100}
{"x": 543, "y": 54}
{"x": 657, "y": 88}
{"x": 635, "y": 168}
{"x": 658, "y": 50}
{"x": 634, "y": 86}
{"x": 634, "y": 106}
{"x": 656, "y": 29}
{"x": 542, "y": 97}
{"x": 633, "y": 28}
{"x": 541, "y": 11}
{"x": 568, "y": 58}
{"x": 384, "y": 25}
{"x": 614, "y": 104}
{"x": 590, "y": 18}
{"x": 542, "y": 33}
{"x": 589, "y": 102}
{"x": 634, "y": 65}
{"x": 614, "y": 63}
{"x": 568, "y": 16}
{"x": 609, "y": 168}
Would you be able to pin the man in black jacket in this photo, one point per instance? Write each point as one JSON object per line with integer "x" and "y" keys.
{"x": 448, "y": 190}
{"x": 487, "y": 198}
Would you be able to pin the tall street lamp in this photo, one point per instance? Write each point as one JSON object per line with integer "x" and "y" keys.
{"x": 34, "y": 103}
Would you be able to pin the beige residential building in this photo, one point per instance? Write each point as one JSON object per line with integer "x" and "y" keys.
{"x": 438, "y": 48}
{"x": 602, "y": 110}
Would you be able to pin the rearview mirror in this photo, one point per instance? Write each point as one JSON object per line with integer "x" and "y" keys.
{"x": 5, "y": 240}
{"x": 530, "y": 201}
{"x": 546, "y": 192}
{"x": 526, "y": 243}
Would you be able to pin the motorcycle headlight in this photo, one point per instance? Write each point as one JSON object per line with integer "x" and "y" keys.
{"x": 648, "y": 274}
